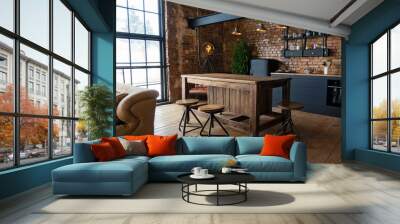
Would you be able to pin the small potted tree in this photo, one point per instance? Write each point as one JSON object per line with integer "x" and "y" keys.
{"x": 97, "y": 104}
{"x": 240, "y": 58}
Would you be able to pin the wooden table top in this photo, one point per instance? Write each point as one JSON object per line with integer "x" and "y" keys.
{"x": 238, "y": 78}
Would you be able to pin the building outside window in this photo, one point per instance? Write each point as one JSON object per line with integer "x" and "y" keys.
{"x": 385, "y": 91}
{"x": 3, "y": 72}
{"x": 3, "y": 78}
{"x": 55, "y": 129}
{"x": 30, "y": 72}
{"x": 140, "y": 43}
{"x": 30, "y": 87}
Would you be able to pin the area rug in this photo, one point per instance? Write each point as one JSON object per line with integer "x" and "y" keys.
{"x": 166, "y": 198}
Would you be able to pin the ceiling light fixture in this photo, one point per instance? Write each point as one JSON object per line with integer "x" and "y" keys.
{"x": 260, "y": 28}
{"x": 236, "y": 31}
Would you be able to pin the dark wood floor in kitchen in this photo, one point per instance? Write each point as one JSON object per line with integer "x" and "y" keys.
{"x": 321, "y": 133}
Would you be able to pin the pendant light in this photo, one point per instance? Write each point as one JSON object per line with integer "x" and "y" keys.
{"x": 236, "y": 31}
{"x": 260, "y": 28}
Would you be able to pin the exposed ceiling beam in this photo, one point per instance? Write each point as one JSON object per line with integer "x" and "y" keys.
{"x": 347, "y": 11}
{"x": 211, "y": 19}
{"x": 269, "y": 15}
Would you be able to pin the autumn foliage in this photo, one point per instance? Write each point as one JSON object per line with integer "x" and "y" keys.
{"x": 33, "y": 131}
{"x": 380, "y": 127}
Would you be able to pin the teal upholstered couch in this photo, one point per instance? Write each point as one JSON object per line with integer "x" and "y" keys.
{"x": 125, "y": 176}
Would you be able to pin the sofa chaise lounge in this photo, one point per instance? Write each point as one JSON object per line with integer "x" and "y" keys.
{"x": 125, "y": 176}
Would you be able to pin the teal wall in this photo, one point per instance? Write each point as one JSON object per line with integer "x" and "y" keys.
{"x": 355, "y": 117}
{"x": 24, "y": 178}
{"x": 100, "y": 17}
{"x": 103, "y": 63}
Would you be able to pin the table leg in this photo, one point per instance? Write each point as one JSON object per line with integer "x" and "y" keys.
{"x": 245, "y": 193}
{"x": 255, "y": 108}
{"x": 217, "y": 194}
{"x": 185, "y": 88}
{"x": 286, "y": 93}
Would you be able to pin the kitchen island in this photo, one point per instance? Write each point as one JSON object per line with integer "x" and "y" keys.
{"x": 247, "y": 99}
{"x": 320, "y": 94}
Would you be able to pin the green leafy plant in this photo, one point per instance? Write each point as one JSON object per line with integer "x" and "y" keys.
{"x": 96, "y": 102}
{"x": 241, "y": 58}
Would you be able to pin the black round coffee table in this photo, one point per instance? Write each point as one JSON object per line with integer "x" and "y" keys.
{"x": 238, "y": 179}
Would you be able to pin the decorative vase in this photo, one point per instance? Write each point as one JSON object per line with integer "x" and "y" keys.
{"x": 326, "y": 70}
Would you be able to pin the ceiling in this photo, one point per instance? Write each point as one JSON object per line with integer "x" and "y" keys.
{"x": 329, "y": 16}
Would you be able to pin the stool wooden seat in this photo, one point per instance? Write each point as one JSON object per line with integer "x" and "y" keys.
{"x": 185, "y": 119}
{"x": 187, "y": 102}
{"x": 291, "y": 106}
{"x": 287, "y": 124}
{"x": 211, "y": 110}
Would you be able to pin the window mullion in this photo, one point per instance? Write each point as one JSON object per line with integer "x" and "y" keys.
{"x": 50, "y": 82}
{"x": 16, "y": 69}
{"x": 389, "y": 104}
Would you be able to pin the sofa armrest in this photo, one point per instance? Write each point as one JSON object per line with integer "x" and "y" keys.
{"x": 83, "y": 152}
{"x": 298, "y": 155}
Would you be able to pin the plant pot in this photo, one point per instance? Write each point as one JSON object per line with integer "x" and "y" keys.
{"x": 326, "y": 70}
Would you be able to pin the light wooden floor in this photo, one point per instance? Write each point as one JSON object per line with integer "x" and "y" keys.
{"x": 321, "y": 133}
{"x": 377, "y": 190}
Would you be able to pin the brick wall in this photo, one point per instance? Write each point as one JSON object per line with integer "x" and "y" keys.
{"x": 183, "y": 44}
{"x": 270, "y": 45}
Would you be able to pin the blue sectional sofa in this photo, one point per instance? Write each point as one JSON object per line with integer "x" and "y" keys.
{"x": 125, "y": 176}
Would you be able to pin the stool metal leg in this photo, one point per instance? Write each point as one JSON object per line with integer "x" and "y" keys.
{"x": 195, "y": 116}
{"x": 185, "y": 122}
{"x": 223, "y": 128}
{"x": 211, "y": 124}
{"x": 180, "y": 123}
{"x": 205, "y": 124}
{"x": 185, "y": 119}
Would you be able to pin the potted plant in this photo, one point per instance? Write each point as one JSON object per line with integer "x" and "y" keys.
{"x": 240, "y": 58}
{"x": 96, "y": 102}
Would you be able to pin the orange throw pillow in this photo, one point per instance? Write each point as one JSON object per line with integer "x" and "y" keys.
{"x": 103, "y": 152}
{"x": 277, "y": 145}
{"x": 161, "y": 145}
{"x": 116, "y": 145}
{"x": 136, "y": 137}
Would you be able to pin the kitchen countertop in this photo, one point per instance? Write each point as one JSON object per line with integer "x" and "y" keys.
{"x": 304, "y": 74}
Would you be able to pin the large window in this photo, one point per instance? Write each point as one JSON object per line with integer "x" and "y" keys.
{"x": 40, "y": 80}
{"x": 140, "y": 46}
{"x": 385, "y": 91}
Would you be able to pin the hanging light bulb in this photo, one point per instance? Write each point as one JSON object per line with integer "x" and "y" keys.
{"x": 260, "y": 28}
{"x": 236, "y": 31}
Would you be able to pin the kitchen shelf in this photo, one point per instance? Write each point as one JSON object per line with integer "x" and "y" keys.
{"x": 317, "y": 52}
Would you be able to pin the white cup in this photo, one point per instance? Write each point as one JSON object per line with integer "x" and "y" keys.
{"x": 196, "y": 171}
{"x": 203, "y": 172}
{"x": 226, "y": 170}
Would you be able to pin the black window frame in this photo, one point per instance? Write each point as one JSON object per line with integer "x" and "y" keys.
{"x": 16, "y": 115}
{"x": 388, "y": 74}
{"x": 146, "y": 37}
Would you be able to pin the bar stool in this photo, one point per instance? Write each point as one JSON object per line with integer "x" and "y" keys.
{"x": 188, "y": 103}
{"x": 211, "y": 110}
{"x": 287, "y": 123}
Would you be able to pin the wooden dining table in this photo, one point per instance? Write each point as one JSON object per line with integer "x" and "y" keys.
{"x": 248, "y": 99}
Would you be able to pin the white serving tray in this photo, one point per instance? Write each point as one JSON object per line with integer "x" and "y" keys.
{"x": 208, "y": 176}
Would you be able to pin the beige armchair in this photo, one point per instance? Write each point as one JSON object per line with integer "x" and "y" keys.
{"x": 136, "y": 111}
